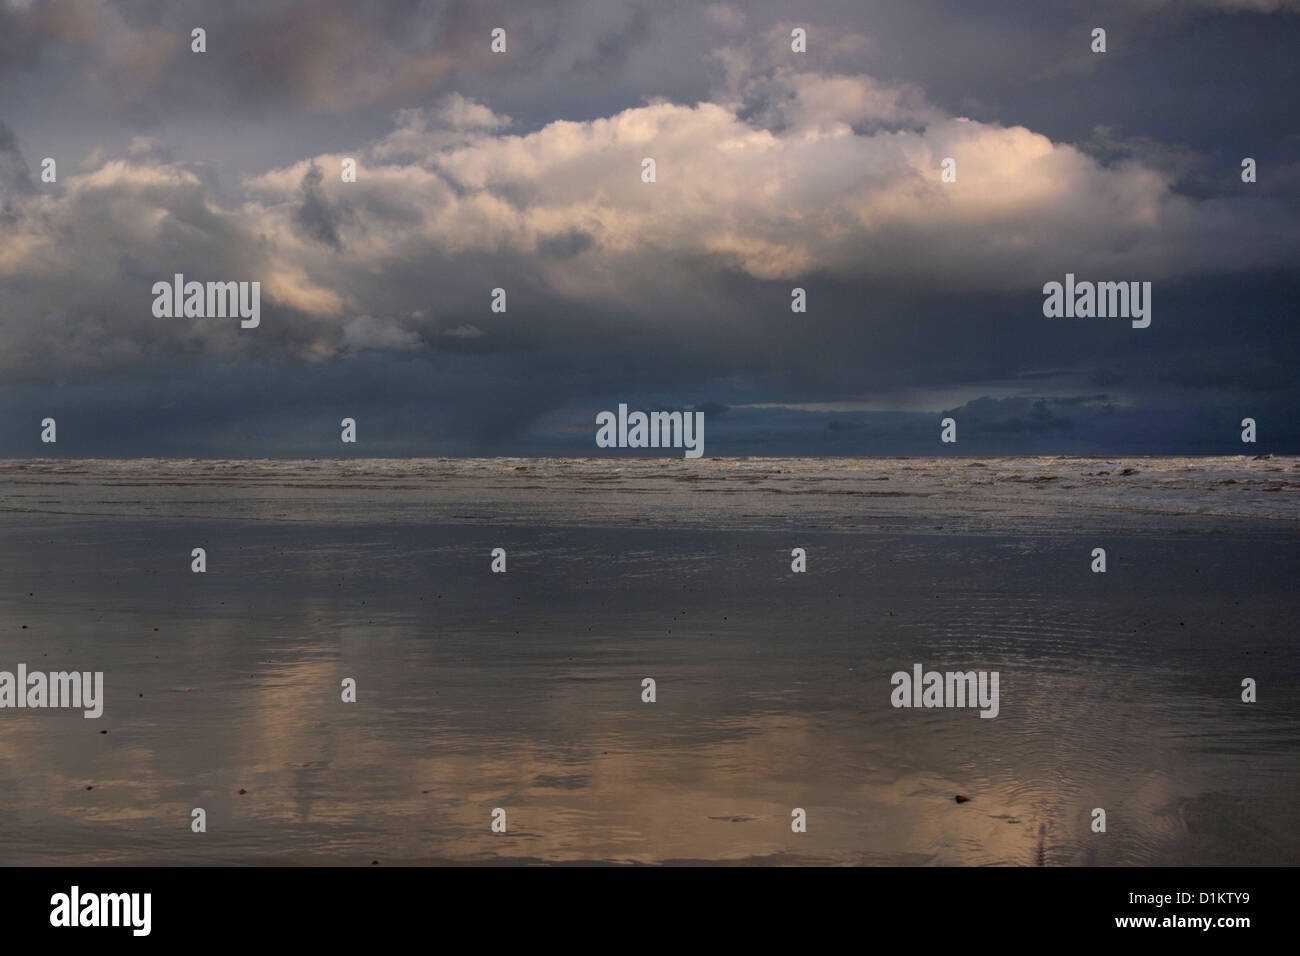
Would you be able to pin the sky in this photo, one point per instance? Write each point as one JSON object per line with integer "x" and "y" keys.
{"x": 522, "y": 170}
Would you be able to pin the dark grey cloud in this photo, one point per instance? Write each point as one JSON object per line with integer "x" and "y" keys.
{"x": 317, "y": 219}
{"x": 520, "y": 171}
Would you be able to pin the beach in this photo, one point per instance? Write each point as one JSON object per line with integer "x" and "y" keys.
{"x": 523, "y": 690}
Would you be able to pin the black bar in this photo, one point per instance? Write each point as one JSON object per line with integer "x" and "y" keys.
{"x": 310, "y": 905}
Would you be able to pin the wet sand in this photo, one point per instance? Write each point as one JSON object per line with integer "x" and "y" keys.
{"x": 523, "y": 690}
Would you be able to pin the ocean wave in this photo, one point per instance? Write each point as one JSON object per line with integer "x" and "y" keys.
{"x": 1229, "y": 486}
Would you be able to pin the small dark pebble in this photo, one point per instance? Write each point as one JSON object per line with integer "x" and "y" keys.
{"x": 961, "y": 798}
{"x": 242, "y": 791}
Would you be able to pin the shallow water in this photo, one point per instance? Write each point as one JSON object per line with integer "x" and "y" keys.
{"x": 523, "y": 690}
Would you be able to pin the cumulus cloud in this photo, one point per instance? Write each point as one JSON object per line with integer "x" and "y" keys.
{"x": 801, "y": 175}
{"x": 836, "y": 175}
{"x": 523, "y": 171}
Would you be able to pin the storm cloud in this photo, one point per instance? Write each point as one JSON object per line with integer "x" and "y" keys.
{"x": 522, "y": 171}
